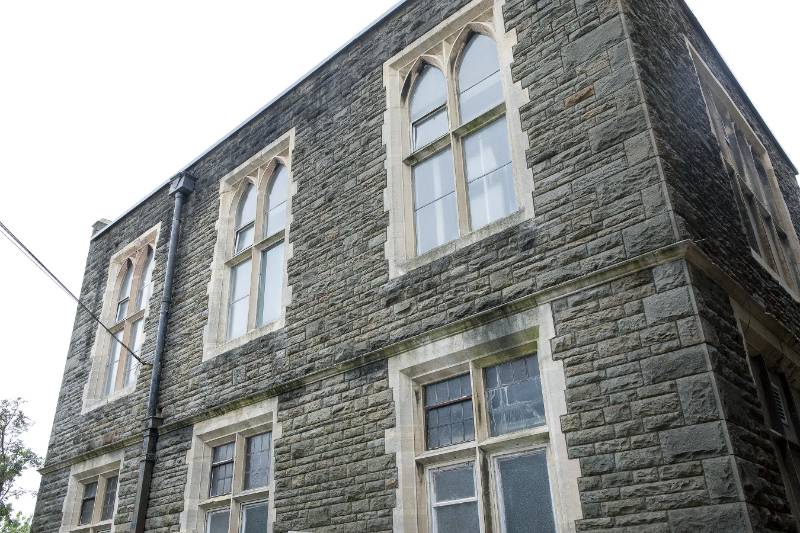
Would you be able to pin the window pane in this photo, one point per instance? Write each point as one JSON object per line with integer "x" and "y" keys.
{"x": 256, "y": 473}
{"x": 514, "y": 396}
{"x": 110, "y": 498}
{"x": 460, "y": 518}
{"x": 221, "y": 470}
{"x": 428, "y": 129}
{"x": 479, "y": 82}
{"x": 131, "y": 364}
{"x": 244, "y": 237}
{"x": 489, "y": 174}
{"x": 453, "y": 483}
{"x": 247, "y": 207}
{"x": 240, "y": 299}
{"x": 113, "y": 363}
{"x": 87, "y": 503}
{"x": 222, "y": 453}
{"x": 436, "y": 214}
{"x": 125, "y": 291}
{"x": 429, "y": 92}
{"x": 276, "y": 204}
{"x": 525, "y": 503}
{"x": 217, "y": 521}
{"x": 145, "y": 285}
{"x": 448, "y": 412}
{"x": 254, "y": 518}
{"x": 270, "y": 285}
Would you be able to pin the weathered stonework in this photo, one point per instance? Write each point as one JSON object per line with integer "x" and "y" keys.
{"x": 646, "y": 279}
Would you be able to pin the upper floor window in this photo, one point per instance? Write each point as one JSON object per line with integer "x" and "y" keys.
{"x": 90, "y": 498}
{"x": 248, "y": 291}
{"x": 456, "y": 152}
{"x": 133, "y": 295}
{"x": 257, "y": 265}
{"x": 767, "y": 223}
{"x": 459, "y": 146}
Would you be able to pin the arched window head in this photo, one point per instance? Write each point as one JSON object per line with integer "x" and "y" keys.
{"x": 276, "y": 201}
{"x": 146, "y": 284}
{"x": 245, "y": 219}
{"x": 124, "y": 292}
{"x": 427, "y": 107}
{"x": 479, "y": 85}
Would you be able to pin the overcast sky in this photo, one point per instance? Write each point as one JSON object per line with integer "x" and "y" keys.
{"x": 100, "y": 102}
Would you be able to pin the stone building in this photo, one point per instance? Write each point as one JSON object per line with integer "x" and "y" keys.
{"x": 495, "y": 265}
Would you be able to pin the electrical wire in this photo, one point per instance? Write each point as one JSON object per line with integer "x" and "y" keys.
{"x": 36, "y": 261}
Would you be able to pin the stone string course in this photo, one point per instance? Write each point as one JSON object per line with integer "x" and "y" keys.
{"x": 662, "y": 410}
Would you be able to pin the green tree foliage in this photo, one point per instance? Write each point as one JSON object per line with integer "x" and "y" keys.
{"x": 15, "y": 458}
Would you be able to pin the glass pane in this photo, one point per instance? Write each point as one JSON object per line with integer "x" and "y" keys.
{"x": 448, "y": 421}
{"x": 460, "y": 518}
{"x": 428, "y": 129}
{"x": 240, "y": 299}
{"x": 525, "y": 503}
{"x": 87, "y": 503}
{"x": 110, "y": 498}
{"x": 479, "y": 82}
{"x": 125, "y": 288}
{"x": 217, "y": 521}
{"x": 244, "y": 237}
{"x": 514, "y": 396}
{"x": 429, "y": 92}
{"x": 270, "y": 285}
{"x": 487, "y": 149}
{"x": 453, "y": 483}
{"x": 436, "y": 215}
{"x": 433, "y": 179}
{"x": 492, "y": 197}
{"x": 276, "y": 203}
{"x": 436, "y": 224}
{"x": 247, "y": 207}
{"x": 145, "y": 285}
{"x": 113, "y": 363}
{"x": 256, "y": 472}
{"x": 222, "y": 453}
{"x": 221, "y": 479}
{"x": 131, "y": 364}
{"x": 254, "y": 518}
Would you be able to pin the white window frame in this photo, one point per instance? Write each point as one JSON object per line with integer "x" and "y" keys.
{"x": 234, "y": 426}
{"x": 442, "y": 47}
{"x": 524, "y": 333}
{"x": 779, "y": 220}
{"x": 232, "y": 185}
{"x": 93, "y": 392}
{"x": 97, "y": 469}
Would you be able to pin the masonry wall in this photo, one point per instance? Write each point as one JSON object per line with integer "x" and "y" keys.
{"x": 600, "y": 200}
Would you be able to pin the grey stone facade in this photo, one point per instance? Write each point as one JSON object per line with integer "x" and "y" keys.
{"x": 638, "y": 265}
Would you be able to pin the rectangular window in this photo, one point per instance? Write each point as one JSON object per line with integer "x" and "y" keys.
{"x": 270, "y": 290}
{"x": 217, "y": 521}
{"x": 453, "y": 501}
{"x": 87, "y": 503}
{"x": 221, "y": 470}
{"x": 254, "y": 518}
{"x": 514, "y": 396}
{"x": 448, "y": 412}
{"x": 239, "y": 300}
{"x": 435, "y": 202}
{"x": 524, "y": 493}
{"x": 256, "y": 470}
{"x": 109, "y": 498}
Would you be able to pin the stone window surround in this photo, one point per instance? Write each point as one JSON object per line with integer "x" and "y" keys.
{"x": 707, "y": 79}
{"x": 106, "y": 465}
{"x": 441, "y": 47}
{"x": 101, "y": 349}
{"x": 246, "y": 421}
{"x": 231, "y": 187}
{"x": 514, "y": 335}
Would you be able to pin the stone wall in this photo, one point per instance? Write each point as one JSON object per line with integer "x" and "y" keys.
{"x": 637, "y": 360}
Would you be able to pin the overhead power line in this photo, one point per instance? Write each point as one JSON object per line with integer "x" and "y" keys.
{"x": 36, "y": 261}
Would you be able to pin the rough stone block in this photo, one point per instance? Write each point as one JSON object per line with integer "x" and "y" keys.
{"x": 693, "y": 442}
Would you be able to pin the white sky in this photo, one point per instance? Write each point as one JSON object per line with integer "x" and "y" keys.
{"x": 100, "y": 102}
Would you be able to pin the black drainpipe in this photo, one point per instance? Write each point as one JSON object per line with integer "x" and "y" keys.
{"x": 182, "y": 185}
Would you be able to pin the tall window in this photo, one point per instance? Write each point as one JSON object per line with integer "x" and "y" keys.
{"x": 238, "y": 486}
{"x": 486, "y": 449}
{"x": 459, "y": 148}
{"x": 767, "y": 225}
{"x": 98, "y": 502}
{"x": 256, "y": 262}
{"x": 134, "y": 288}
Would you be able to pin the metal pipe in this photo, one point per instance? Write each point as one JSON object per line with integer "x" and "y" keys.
{"x": 182, "y": 185}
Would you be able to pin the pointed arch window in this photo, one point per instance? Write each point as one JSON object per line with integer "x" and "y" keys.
{"x": 256, "y": 264}
{"x": 459, "y": 149}
{"x": 135, "y": 286}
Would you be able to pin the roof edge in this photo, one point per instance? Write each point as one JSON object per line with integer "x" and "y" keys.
{"x": 263, "y": 108}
